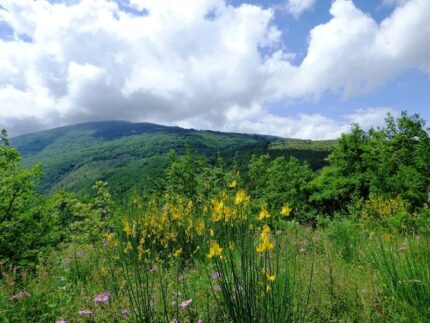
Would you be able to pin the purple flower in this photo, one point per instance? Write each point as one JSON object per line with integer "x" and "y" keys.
{"x": 19, "y": 296}
{"x": 80, "y": 253}
{"x": 124, "y": 313}
{"x": 216, "y": 275}
{"x": 61, "y": 321}
{"x": 102, "y": 298}
{"x": 200, "y": 321}
{"x": 85, "y": 312}
{"x": 186, "y": 303}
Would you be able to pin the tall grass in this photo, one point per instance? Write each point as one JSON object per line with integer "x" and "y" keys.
{"x": 404, "y": 270}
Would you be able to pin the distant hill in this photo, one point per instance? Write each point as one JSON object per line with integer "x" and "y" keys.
{"x": 134, "y": 155}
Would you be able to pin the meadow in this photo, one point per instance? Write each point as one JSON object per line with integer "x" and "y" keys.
{"x": 278, "y": 242}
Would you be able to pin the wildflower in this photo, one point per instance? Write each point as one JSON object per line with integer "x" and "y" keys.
{"x": 286, "y": 210}
{"x": 20, "y": 295}
{"x": 186, "y": 303}
{"x": 231, "y": 245}
{"x": 127, "y": 228}
{"x": 214, "y": 250}
{"x": 265, "y": 243}
{"x": 85, "y": 312}
{"x": 140, "y": 251}
{"x": 233, "y": 184}
{"x": 216, "y": 275}
{"x": 212, "y": 232}
{"x": 102, "y": 298}
{"x": 124, "y": 313}
{"x": 80, "y": 253}
{"x": 177, "y": 253}
{"x": 128, "y": 247}
{"x": 200, "y": 321}
{"x": 190, "y": 204}
{"x": 241, "y": 197}
{"x": 103, "y": 271}
{"x": 264, "y": 214}
{"x": 60, "y": 321}
{"x": 66, "y": 261}
{"x": 200, "y": 228}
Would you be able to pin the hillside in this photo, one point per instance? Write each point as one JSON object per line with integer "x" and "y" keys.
{"x": 133, "y": 155}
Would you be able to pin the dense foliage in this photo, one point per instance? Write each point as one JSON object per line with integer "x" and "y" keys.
{"x": 134, "y": 156}
{"x": 215, "y": 240}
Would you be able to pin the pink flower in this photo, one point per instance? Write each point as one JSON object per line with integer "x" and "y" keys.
{"x": 61, "y": 321}
{"x": 19, "y": 296}
{"x": 186, "y": 303}
{"x": 216, "y": 275}
{"x": 200, "y": 321}
{"x": 85, "y": 312}
{"x": 102, "y": 298}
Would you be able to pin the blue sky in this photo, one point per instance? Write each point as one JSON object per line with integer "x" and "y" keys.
{"x": 304, "y": 69}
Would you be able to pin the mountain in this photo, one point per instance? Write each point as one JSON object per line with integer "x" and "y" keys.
{"x": 133, "y": 155}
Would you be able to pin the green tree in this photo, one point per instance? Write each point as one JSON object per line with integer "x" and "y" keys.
{"x": 25, "y": 223}
{"x": 276, "y": 182}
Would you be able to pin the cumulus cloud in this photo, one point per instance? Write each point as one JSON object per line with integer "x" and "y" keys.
{"x": 202, "y": 64}
{"x": 297, "y": 7}
{"x": 352, "y": 54}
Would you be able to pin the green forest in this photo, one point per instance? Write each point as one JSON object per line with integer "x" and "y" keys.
{"x": 119, "y": 222}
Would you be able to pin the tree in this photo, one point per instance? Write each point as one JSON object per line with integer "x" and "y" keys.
{"x": 25, "y": 224}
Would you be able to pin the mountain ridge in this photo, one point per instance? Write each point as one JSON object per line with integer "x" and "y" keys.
{"x": 130, "y": 155}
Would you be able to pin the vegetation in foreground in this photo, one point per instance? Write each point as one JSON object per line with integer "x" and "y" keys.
{"x": 280, "y": 244}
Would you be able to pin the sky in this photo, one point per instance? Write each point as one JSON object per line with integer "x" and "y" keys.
{"x": 291, "y": 68}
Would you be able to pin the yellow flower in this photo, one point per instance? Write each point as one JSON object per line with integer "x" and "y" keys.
{"x": 270, "y": 277}
{"x": 233, "y": 184}
{"x": 241, "y": 197}
{"x": 140, "y": 251}
{"x": 265, "y": 244}
{"x": 215, "y": 250}
{"x": 127, "y": 228}
{"x": 212, "y": 233}
{"x": 286, "y": 210}
{"x": 200, "y": 227}
{"x": 263, "y": 215}
{"x": 177, "y": 253}
{"x": 128, "y": 247}
{"x": 231, "y": 245}
{"x": 190, "y": 204}
{"x": 103, "y": 271}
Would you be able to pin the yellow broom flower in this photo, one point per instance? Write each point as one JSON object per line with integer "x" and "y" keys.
{"x": 215, "y": 250}
{"x": 264, "y": 214}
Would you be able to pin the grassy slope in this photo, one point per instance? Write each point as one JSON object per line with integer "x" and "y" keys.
{"x": 133, "y": 155}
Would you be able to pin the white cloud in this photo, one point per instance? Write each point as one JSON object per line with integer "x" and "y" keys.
{"x": 302, "y": 126}
{"x": 353, "y": 54}
{"x": 297, "y": 7}
{"x": 196, "y": 63}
